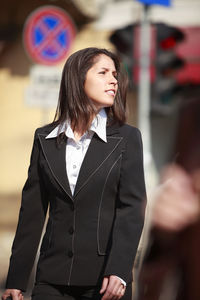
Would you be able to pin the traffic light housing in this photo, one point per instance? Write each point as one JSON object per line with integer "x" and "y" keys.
{"x": 167, "y": 63}
{"x": 164, "y": 61}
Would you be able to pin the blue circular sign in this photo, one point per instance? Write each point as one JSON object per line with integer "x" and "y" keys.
{"x": 48, "y": 35}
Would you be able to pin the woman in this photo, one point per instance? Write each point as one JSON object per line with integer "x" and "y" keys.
{"x": 87, "y": 167}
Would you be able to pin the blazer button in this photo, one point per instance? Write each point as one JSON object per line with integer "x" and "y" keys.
{"x": 70, "y": 253}
{"x": 71, "y": 230}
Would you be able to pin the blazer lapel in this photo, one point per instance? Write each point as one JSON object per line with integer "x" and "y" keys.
{"x": 98, "y": 151}
{"x": 55, "y": 156}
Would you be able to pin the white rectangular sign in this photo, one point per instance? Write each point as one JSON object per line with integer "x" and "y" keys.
{"x": 44, "y": 87}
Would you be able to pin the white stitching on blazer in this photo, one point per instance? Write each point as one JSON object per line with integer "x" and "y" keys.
{"x": 98, "y": 246}
{"x": 91, "y": 175}
{"x": 52, "y": 170}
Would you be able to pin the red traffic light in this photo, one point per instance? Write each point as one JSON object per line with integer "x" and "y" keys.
{"x": 168, "y": 43}
{"x": 168, "y": 36}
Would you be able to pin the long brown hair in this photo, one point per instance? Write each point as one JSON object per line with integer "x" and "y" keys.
{"x": 73, "y": 103}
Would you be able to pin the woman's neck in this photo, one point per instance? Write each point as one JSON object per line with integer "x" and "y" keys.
{"x": 78, "y": 131}
{"x": 77, "y": 135}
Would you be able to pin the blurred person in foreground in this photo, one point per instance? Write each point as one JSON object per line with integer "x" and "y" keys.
{"x": 171, "y": 267}
{"x": 87, "y": 166}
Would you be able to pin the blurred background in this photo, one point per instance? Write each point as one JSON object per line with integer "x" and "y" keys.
{"x": 159, "y": 45}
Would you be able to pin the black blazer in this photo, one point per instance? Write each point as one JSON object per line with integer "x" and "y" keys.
{"x": 91, "y": 234}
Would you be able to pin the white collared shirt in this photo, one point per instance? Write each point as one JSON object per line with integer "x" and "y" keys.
{"x": 76, "y": 150}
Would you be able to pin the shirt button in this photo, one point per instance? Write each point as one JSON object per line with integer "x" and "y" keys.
{"x": 74, "y": 166}
{"x": 78, "y": 147}
{"x": 70, "y": 254}
{"x": 71, "y": 230}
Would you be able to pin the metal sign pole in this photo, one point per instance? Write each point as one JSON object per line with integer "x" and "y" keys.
{"x": 144, "y": 87}
{"x": 144, "y": 121}
{"x": 151, "y": 176}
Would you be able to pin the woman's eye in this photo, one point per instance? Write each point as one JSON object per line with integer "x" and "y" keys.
{"x": 102, "y": 72}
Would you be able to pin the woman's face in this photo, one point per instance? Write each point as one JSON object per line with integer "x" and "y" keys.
{"x": 101, "y": 83}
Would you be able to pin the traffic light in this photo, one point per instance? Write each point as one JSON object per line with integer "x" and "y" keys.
{"x": 164, "y": 61}
{"x": 167, "y": 63}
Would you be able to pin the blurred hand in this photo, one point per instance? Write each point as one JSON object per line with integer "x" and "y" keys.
{"x": 176, "y": 202}
{"x": 112, "y": 288}
{"x": 13, "y": 293}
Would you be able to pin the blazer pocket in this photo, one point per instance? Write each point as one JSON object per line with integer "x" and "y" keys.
{"x": 47, "y": 239}
{"x": 107, "y": 208}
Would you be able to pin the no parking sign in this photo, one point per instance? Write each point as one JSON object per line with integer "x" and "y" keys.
{"x": 48, "y": 35}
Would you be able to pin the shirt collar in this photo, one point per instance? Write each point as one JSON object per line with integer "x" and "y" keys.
{"x": 98, "y": 126}
{"x": 55, "y": 132}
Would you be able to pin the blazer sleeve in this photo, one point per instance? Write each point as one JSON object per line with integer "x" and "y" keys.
{"x": 128, "y": 223}
{"x": 30, "y": 224}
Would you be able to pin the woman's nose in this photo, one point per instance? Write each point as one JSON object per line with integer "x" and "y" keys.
{"x": 113, "y": 79}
